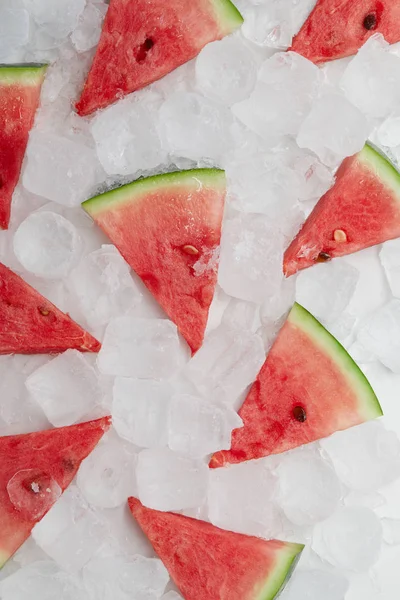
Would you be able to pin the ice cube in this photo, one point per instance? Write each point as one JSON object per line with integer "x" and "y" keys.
{"x": 28, "y": 553}
{"x": 287, "y": 84}
{"x": 388, "y": 134}
{"x": 333, "y": 129}
{"x": 366, "y": 457}
{"x": 103, "y": 286}
{"x": 242, "y": 498}
{"x": 371, "y": 79}
{"x": 172, "y": 596}
{"x": 350, "y": 539}
{"x": 226, "y": 70}
{"x": 390, "y": 260}
{"x": 315, "y": 178}
{"x": 391, "y": 531}
{"x": 140, "y": 411}
{"x": 126, "y": 136}
{"x": 57, "y": 19}
{"x": 278, "y": 305}
{"x": 106, "y": 476}
{"x": 86, "y": 35}
{"x": 66, "y": 388}
{"x": 309, "y": 489}
{"x": 241, "y": 314}
{"x": 44, "y": 580}
{"x": 71, "y": 532}
{"x": 125, "y": 578}
{"x": 326, "y": 290}
{"x": 228, "y": 361}
{"x": 143, "y": 348}
{"x": 168, "y": 481}
{"x": 251, "y": 258}
{"x": 207, "y": 122}
{"x": 47, "y": 245}
{"x": 59, "y": 169}
{"x": 315, "y": 585}
{"x": 198, "y": 427}
{"x": 14, "y": 26}
{"x": 380, "y": 334}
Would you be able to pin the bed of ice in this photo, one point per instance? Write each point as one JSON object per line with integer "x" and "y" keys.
{"x": 279, "y": 126}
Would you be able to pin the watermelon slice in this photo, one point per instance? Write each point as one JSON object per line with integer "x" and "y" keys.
{"x": 19, "y": 98}
{"x": 208, "y": 563}
{"x": 338, "y": 28}
{"x": 168, "y": 228}
{"x": 30, "y": 324}
{"x": 143, "y": 40}
{"x": 35, "y": 468}
{"x": 308, "y": 388}
{"x": 361, "y": 209}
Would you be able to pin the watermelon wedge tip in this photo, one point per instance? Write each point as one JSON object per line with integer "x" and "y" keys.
{"x": 168, "y": 229}
{"x": 209, "y": 563}
{"x": 308, "y": 388}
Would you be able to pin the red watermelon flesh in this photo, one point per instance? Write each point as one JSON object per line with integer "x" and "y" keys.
{"x": 19, "y": 98}
{"x": 361, "y": 209}
{"x": 143, "y": 40}
{"x": 30, "y": 324}
{"x": 35, "y": 468}
{"x": 208, "y": 563}
{"x": 168, "y": 228}
{"x": 338, "y": 28}
{"x": 308, "y": 388}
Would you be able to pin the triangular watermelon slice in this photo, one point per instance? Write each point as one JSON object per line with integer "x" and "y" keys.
{"x": 338, "y": 28}
{"x": 19, "y": 98}
{"x": 168, "y": 228}
{"x": 361, "y": 209}
{"x": 143, "y": 40}
{"x": 308, "y": 388}
{"x": 208, "y": 563}
{"x": 30, "y": 324}
{"x": 35, "y": 468}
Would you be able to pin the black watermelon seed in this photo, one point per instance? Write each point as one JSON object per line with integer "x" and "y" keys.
{"x": 299, "y": 414}
{"x": 370, "y": 22}
{"x": 323, "y": 257}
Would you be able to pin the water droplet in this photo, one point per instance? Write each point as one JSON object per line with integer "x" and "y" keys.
{"x": 32, "y": 492}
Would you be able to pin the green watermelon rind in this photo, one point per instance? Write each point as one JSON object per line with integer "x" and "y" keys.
{"x": 211, "y": 178}
{"x": 369, "y": 407}
{"x": 228, "y": 15}
{"x": 384, "y": 170}
{"x": 286, "y": 563}
{"x": 27, "y": 75}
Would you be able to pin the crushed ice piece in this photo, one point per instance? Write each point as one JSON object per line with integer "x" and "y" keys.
{"x": 140, "y": 411}
{"x": 59, "y": 168}
{"x": 103, "y": 286}
{"x": 391, "y": 531}
{"x": 371, "y": 81}
{"x": 333, "y": 129}
{"x": 326, "y": 290}
{"x": 350, "y": 539}
{"x": 71, "y": 532}
{"x": 14, "y": 26}
{"x": 198, "y": 427}
{"x": 87, "y": 33}
{"x": 47, "y": 245}
{"x": 228, "y": 361}
{"x": 207, "y": 122}
{"x": 309, "y": 489}
{"x": 57, "y": 19}
{"x": 143, "y": 348}
{"x": 388, "y": 133}
{"x": 251, "y": 258}
{"x": 390, "y": 259}
{"x": 41, "y": 579}
{"x": 106, "y": 476}
{"x": 126, "y": 135}
{"x": 365, "y": 457}
{"x": 287, "y": 84}
{"x": 67, "y": 388}
{"x": 226, "y": 70}
{"x": 32, "y": 492}
{"x": 241, "y": 314}
{"x": 168, "y": 481}
{"x": 242, "y": 498}
{"x": 314, "y": 177}
{"x": 314, "y": 585}
{"x": 379, "y": 334}
{"x": 123, "y": 578}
